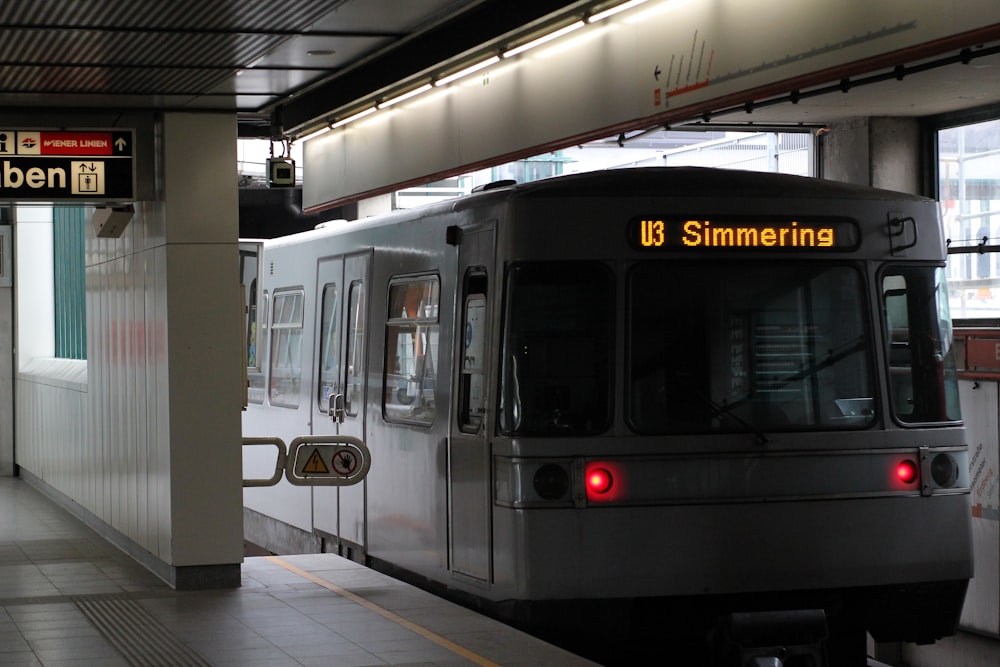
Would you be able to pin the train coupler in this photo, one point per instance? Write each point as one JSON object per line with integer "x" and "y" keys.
{"x": 789, "y": 638}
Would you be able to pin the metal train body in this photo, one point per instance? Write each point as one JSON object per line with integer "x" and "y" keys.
{"x": 712, "y": 386}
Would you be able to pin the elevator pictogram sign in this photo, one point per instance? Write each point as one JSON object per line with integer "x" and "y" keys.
{"x": 79, "y": 165}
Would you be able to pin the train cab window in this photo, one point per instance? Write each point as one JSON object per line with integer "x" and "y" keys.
{"x": 557, "y": 349}
{"x": 355, "y": 361}
{"x": 285, "y": 370}
{"x": 329, "y": 347}
{"x": 472, "y": 389}
{"x": 411, "y": 350}
{"x": 732, "y": 347}
{"x": 922, "y": 379}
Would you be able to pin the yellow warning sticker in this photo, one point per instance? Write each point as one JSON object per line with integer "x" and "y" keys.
{"x": 316, "y": 465}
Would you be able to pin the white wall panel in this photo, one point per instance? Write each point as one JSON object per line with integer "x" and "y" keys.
{"x": 604, "y": 76}
{"x": 980, "y": 409}
{"x": 146, "y": 438}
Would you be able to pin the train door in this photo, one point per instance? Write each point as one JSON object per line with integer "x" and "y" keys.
{"x": 339, "y": 403}
{"x": 469, "y": 445}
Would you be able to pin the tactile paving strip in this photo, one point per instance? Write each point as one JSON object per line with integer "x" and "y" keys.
{"x": 141, "y": 638}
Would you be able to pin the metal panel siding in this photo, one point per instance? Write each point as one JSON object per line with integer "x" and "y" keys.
{"x": 68, "y": 224}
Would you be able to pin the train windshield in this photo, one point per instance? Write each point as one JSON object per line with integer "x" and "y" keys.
{"x": 726, "y": 346}
{"x": 557, "y": 349}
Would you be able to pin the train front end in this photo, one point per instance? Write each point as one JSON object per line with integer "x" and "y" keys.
{"x": 729, "y": 392}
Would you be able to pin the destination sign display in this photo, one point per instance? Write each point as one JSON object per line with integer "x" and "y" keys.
{"x": 656, "y": 233}
{"x": 81, "y": 165}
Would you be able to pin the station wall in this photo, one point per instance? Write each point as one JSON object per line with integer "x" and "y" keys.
{"x": 142, "y": 440}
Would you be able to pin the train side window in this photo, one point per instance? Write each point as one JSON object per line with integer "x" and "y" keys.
{"x": 354, "y": 381}
{"x": 472, "y": 391}
{"x": 329, "y": 347}
{"x": 411, "y": 350}
{"x": 922, "y": 377}
{"x": 286, "y": 348}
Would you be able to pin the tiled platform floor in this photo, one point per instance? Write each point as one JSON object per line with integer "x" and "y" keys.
{"x": 69, "y": 598}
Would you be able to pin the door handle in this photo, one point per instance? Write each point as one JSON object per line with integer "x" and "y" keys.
{"x": 337, "y": 411}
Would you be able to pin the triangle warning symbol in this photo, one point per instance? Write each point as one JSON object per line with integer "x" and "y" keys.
{"x": 315, "y": 465}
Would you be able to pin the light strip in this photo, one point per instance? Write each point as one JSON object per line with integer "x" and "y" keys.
{"x": 543, "y": 39}
{"x": 405, "y": 96}
{"x": 468, "y": 70}
{"x": 600, "y": 16}
{"x": 313, "y": 135}
{"x": 351, "y": 119}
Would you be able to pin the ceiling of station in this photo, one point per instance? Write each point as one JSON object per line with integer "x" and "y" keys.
{"x": 273, "y": 61}
{"x": 282, "y": 65}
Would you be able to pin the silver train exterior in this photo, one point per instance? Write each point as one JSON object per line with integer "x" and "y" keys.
{"x": 726, "y": 388}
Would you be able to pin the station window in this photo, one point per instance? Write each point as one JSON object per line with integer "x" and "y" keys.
{"x": 411, "y": 350}
{"x": 286, "y": 348}
{"x": 969, "y": 196}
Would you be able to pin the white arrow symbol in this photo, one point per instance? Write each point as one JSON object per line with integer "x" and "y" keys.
{"x": 120, "y": 144}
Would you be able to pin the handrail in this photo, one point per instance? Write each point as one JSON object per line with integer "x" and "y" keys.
{"x": 279, "y": 465}
{"x": 332, "y": 460}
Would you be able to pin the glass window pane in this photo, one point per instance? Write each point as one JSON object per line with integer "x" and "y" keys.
{"x": 328, "y": 347}
{"x": 556, "y": 367}
{"x": 747, "y": 348}
{"x": 969, "y": 195}
{"x": 922, "y": 380}
{"x": 355, "y": 369}
{"x": 286, "y": 349}
{"x": 411, "y": 350}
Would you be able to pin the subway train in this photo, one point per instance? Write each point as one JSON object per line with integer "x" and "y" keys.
{"x": 724, "y": 400}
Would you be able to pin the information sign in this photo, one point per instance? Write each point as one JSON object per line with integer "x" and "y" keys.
{"x": 79, "y": 165}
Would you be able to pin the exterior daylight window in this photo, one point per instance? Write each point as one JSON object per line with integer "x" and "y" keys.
{"x": 286, "y": 349}
{"x": 411, "y": 350}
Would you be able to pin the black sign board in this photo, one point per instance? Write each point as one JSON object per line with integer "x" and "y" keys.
{"x": 60, "y": 166}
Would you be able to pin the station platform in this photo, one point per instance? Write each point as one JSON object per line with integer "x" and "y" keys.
{"x": 70, "y": 598}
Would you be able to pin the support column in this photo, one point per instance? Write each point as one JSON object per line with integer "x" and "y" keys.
{"x": 880, "y": 152}
{"x": 204, "y": 362}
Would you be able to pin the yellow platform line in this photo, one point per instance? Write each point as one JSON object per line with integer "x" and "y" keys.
{"x": 429, "y": 635}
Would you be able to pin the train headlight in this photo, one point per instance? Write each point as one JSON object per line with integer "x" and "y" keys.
{"x": 528, "y": 482}
{"x": 551, "y": 481}
{"x": 944, "y": 470}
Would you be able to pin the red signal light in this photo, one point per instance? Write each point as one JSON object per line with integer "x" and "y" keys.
{"x": 907, "y": 471}
{"x": 599, "y": 481}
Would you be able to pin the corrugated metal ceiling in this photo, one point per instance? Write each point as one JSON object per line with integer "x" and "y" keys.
{"x": 252, "y": 56}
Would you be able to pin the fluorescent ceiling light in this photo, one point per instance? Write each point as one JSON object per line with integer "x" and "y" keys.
{"x": 599, "y": 16}
{"x": 313, "y": 135}
{"x": 351, "y": 119}
{"x": 405, "y": 96}
{"x": 468, "y": 70}
{"x": 543, "y": 39}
